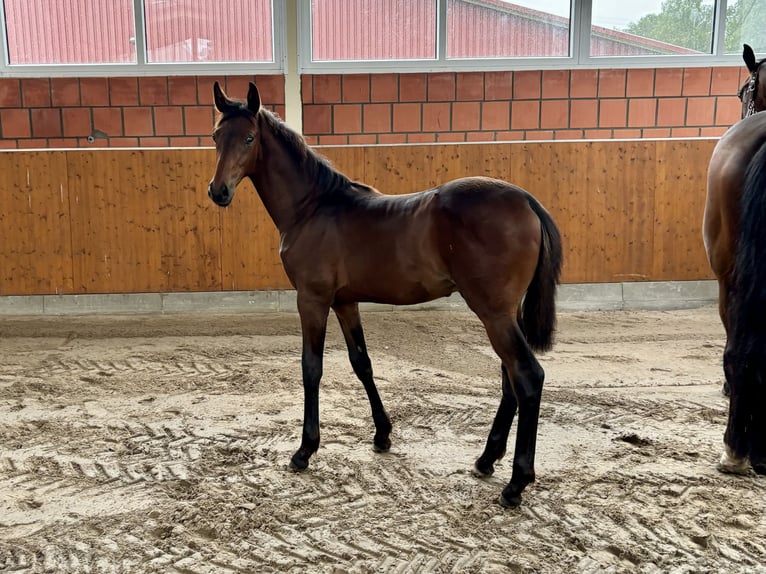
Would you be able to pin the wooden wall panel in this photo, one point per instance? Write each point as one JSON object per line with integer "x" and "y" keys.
{"x": 106, "y": 221}
{"x": 35, "y": 232}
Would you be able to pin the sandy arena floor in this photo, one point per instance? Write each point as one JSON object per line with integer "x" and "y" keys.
{"x": 161, "y": 443}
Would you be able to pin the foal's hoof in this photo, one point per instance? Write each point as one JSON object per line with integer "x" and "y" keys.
{"x": 482, "y": 470}
{"x": 381, "y": 444}
{"x": 298, "y": 463}
{"x": 508, "y": 501}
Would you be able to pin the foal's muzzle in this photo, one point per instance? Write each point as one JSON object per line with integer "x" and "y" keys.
{"x": 221, "y": 195}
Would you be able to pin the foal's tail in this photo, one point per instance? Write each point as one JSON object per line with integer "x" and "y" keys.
{"x": 538, "y": 311}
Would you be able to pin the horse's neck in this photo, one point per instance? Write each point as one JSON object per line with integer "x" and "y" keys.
{"x": 285, "y": 188}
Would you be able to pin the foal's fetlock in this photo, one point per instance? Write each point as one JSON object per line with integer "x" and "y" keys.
{"x": 510, "y": 497}
{"x": 381, "y": 442}
{"x": 300, "y": 461}
{"x": 483, "y": 467}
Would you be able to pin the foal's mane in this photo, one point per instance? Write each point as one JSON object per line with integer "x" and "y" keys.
{"x": 326, "y": 178}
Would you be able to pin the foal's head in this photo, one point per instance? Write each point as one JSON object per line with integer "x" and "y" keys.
{"x": 753, "y": 91}
{"x": 236, "y": 143}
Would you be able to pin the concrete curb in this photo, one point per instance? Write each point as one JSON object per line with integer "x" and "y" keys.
{"x": 571, "y": 297}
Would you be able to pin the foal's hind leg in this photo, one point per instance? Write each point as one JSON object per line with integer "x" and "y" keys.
{"x": 351, "y": 325}
{"x": 497, "y": 441}
{"x": 527, "y": 377}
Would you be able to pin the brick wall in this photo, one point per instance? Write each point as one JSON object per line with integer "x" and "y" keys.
{"x": 521, "y": 105}
{"x": 119, "y": 112}
{"x": 380, "y": 108}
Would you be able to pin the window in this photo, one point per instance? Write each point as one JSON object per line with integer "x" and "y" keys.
{"x": 745, "y": 21}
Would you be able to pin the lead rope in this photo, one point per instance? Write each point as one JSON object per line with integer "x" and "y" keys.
{"x": 751, "y": 92}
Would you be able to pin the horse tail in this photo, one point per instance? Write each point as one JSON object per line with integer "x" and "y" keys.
{"x": 538, "y": 311}
{"x": 747, "y": 309}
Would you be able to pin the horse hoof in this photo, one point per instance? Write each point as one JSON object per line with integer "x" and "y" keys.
{"x": 730, "y": 463}
{"x": 509, "y": 501}
{"x": 383, "y": 445}
{"x": 759, "y": 467}
{"x": 298, "y": 464}
{"x": 482, "y": 471}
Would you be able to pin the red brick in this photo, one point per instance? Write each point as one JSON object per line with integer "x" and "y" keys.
{"x": 317, "y": 119}
{"x": 540, "y": 135}
{"x": 94, "y": 91}
{"x": 728, "y": 111}
{"x": 311, "y": 140}
{"x": 65, "y": 92}
{"x": 168, "y": 121}
{"x": 76, "y": 122}
{"x": 153, "y": 142}
{"x": 611, "y": 83}
{"x": 138, "y": 122}
{"x": 187, "y": 141}
{"x": 198, "y": 120}
{"x": 272, "y": 88}
{"x": 567, "y": 134}
{"x": 123, "y": 91}
{"x": 671, "y": 112}
{"x": 10, "y": 93}
{"x": 627, "y": 133}
{"x": 46, "y": 123}
{"x": 554, "y": 114}
{"x": 470, "y": 86}
{"x": 327, "y": 89}
{"x": 153, "y": 91}
{"x": 406, "y": 117}
{"x": 480, "y": 136}
{"x": 441, "y": 87}
{"x": 598, "y": 134}
{"x": 238, "y": 86}
{"x": 333, "y": 140}
{"x": 700, "y": 111}
{"x": 362, "y": 139}
{"x": 510, "y": 136}
{"x": 389, "y": 139}
{"x": 450, "y": 137}
{"x": 60, "y": 143}
{"x": 412, "y": 88}
{"x": 36, "y": 92}
{"x": 656, "y": 133}
{"x": 684, "y": 132}
{"x": 526, "y": 85}
{"x": 494, "y": 116}
{"x": 642, "y": 112}
{"x": 15, "y": 123}
{"x": 307, "y": 89}
{"x": 421, "y": 138}
{"x": 182, "y": 90}
{"x": 713, "y": 132}
{"x": 640, "y": 83}
{"x": 612, "y": 113}
{"x": 108, "y": 120}
{"x": 583, "y": 83}
{"x": 347, "y": 119}
{"x": 555, "y": 84}
{"x": 667, "y": 81}
{"x": 356, "y": 88}
{"x": 498, "y": 85}
{"x": 525, "y": 115}
{"x": 436, "y": 117}
{"x": 8, "y": 144}
{"x": 466, "y": 116}
{"x": 376, "y": 118}
{"x": 725, "y": 81}
{"x": 583, "y": 113}
{"x": 37, "y": 143}
{"x": 123, "y": 142}
{"x": 384, "y": 88}
{"x": 696, "y": 82}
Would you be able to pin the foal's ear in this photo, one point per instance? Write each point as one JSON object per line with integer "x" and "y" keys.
{"x": 253, "y": 99}
{"x": 222, "y": 103}
{"x": 749, "y": 57}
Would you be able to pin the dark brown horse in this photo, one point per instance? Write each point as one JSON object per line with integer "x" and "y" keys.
{"x": 734, "y": 232}
{"x": 343, "y": 242}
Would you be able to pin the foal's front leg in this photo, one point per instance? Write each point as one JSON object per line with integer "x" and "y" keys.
{"x": 313, "y": 326}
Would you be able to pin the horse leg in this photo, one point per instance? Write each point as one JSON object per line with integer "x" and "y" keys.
{"x": 735, "y": 438}
{"x": 313, "y": 326}
{"x": 758, "y": 430}
{"x": 723, "y": 302}
{"x": 527, "y": 377}
{"x": 351, "y": 325}
{"x": 497, "y": 440}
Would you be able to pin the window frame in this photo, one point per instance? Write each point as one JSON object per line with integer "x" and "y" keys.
{"x": 143, "y": 68}
{"x": 580, "y": 33}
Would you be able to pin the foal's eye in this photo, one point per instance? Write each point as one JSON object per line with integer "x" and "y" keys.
{"x": 249, "y": 140}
